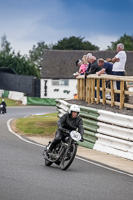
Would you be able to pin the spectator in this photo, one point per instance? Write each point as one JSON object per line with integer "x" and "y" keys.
{"x": 94, "y": 66}
{"x": 119, "y": 64}
{"x": 106, "y": 67}
{"x": 78, "y": 64}
{"x": 83, "y": 66}
{"x": 93, "y": 69}
{"x": 88, "y": 60}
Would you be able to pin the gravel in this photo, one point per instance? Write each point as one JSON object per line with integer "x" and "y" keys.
{"x": 107, "y": 107}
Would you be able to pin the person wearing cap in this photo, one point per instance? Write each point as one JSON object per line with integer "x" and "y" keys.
{"x": 78, "y": 62}
{"x": 68, "y": 122}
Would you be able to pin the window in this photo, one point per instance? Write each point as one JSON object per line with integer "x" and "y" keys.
{"x": 60, "y": 82}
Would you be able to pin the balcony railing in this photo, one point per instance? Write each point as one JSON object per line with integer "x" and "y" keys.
{"x": 89, "y": 89}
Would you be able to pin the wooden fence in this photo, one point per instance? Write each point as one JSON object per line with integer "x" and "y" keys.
{"x": 89, "y": 89}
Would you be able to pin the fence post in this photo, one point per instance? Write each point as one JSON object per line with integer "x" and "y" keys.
{"x": 93, "y": 90}
{"x": 98, "y": 90}
{"x": 121, "y": 94}
{"x": 112, "y": 93}
{"x": 103, "y": 91}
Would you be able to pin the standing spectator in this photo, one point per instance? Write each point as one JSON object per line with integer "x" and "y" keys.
{"x": 119, "y": 64}
{"x": 83, "y": 66}
{"x": 93, "y": 69}
{"x": 88, "y": 60}
{"x": 106, "y": 67}
{"x": 94, "y": 66}
{"x": 78, "y": 64}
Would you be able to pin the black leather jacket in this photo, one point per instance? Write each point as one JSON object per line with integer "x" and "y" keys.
{"x": 94, "y": 68}
{"x": 67, "y": 122}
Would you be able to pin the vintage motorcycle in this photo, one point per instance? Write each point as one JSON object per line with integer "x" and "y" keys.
{"x": 2, "y": 109}
{"x": 64, "y": 152}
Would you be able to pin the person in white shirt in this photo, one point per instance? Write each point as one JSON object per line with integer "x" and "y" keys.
{"x": 119, "y": 64}
{"x": 120, "y": 59}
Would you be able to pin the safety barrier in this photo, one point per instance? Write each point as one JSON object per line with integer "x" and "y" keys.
{"x": 104, "y": 131}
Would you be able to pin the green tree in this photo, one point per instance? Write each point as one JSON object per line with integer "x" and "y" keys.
{"x": 36, "y": 54}
{"x": 126, "y": 40}
{"x": 21, "y": 64}
{"x": 5, "y": 45}
{"x": 74, "y": 43}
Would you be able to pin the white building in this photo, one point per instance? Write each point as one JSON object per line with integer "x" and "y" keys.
{"x": 57, "y": 80}
{"x": 58, "y": 88}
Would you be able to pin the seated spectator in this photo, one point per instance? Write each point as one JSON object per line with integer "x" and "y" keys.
{"x": 106, "y": 67}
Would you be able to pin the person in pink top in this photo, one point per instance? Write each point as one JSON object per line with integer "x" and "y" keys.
{"x": 83, "y": 66}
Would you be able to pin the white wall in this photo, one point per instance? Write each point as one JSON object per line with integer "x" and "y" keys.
{"x": 72, "y": 87}
{"x": 1, "y": 92}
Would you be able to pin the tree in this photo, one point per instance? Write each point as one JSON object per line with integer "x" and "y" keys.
{"x": 21, "y": 64}
{"x": 126, "y": 40}
{"x": 5, "y": 45}
{"x": 36, "y": 54}
{"x": 74, "y": 43}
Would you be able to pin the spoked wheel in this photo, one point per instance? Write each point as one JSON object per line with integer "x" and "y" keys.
{"x": 68, "y": 159}
{"x": 47, "y": 162}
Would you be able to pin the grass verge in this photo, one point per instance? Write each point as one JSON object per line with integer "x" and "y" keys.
{"x": 37, "y": 125}
{"x": 10, "y": 102}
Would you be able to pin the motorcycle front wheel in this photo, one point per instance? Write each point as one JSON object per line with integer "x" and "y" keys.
{"x": 48, "y": 163}
{"x": 68, "y": 159}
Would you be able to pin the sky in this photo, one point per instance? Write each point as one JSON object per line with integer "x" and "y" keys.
{"x": 27, "y": 22}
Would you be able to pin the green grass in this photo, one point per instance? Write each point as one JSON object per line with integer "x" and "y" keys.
{"x": 10, "y": 102}
{"x": 42, "y": 125}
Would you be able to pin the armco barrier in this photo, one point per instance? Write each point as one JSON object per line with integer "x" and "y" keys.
{"x": 104, "y": 131}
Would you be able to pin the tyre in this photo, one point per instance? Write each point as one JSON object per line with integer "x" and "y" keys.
{"x": 66, "y": 162}
{"x": 48, "y": 163}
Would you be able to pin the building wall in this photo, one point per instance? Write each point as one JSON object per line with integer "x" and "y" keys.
{"x": 48, "y": 90}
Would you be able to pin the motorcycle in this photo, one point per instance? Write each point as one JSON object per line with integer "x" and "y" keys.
{"x": 64, "y": 152}
{"x": 2, "y": 109}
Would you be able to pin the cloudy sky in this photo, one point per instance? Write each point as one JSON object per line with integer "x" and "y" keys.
{"x": 26, "y": 22}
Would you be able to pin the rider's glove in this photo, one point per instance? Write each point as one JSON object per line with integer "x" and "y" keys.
{"x": 67, "y": 131}
{"x": 82, "y": 139}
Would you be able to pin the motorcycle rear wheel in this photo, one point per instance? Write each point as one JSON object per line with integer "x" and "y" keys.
{"x": 66, "y": 163}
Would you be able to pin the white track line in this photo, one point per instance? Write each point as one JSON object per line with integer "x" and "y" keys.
{"x": 82, "y": 159}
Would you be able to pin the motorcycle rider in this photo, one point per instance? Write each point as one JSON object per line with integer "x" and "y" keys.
{"x": 3, "y": 105}
{"x": 68, "y": 122}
